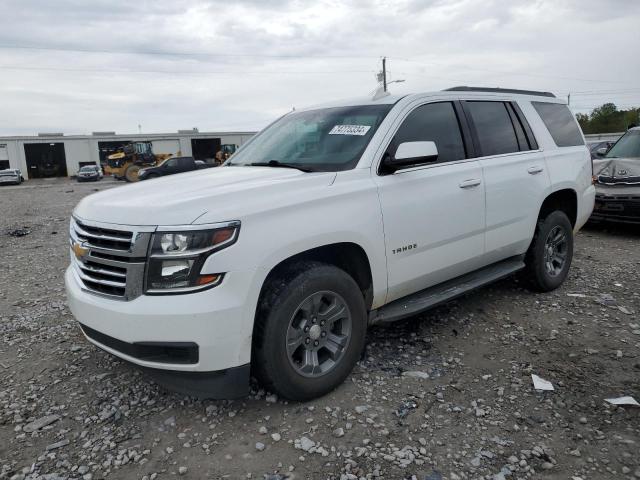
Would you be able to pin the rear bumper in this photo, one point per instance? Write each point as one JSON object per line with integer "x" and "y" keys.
{"x": 7, "y": 180}
{"x": 585, "y": 206}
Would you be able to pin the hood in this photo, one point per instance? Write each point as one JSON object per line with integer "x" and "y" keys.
{"x": 617, "y": 171}
{"x": 224, "y": 193}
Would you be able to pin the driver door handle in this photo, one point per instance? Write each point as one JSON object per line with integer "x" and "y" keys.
{"x": 535, "y": 169}
{"x": 473, "y": 182}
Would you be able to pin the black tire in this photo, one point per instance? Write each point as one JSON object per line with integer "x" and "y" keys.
{"x": 540, "y": 274}
{"x": 280, "y": 303}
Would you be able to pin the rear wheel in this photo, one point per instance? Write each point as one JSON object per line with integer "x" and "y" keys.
{"x": 550, "y": 254}
{"x": 310, "y": 332}
{"x": 131, "y": 173}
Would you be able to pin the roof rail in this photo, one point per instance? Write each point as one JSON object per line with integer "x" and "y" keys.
{"x": 499, "y": 90}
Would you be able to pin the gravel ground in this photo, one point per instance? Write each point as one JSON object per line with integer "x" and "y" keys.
{"x": 447, "y": 395}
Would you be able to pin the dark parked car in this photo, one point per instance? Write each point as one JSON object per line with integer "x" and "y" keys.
{"x": 89, "y": 173}
{"x": 617, "y": 176}
{"x": 171, "y": 166}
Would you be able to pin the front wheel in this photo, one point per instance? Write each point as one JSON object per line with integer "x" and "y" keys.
{"x": 310, "y": 332}
{"x": 550, "y": 254}
{"x": 131, "y": 173}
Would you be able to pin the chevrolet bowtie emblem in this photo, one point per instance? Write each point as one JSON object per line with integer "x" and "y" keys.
{"x": 79, "y": 251}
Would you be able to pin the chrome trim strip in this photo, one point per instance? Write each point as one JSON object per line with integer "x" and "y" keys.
{"x": 94, "y": 292}
{"x": 102, "y": 271}
{"x": 203, "y": 226}
{"x": 101, "y": 281}
{"x": 115, "y": 226}
{"x": 84, "y": 233}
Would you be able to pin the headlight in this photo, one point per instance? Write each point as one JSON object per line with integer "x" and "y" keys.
{"x": 176, "y": 257}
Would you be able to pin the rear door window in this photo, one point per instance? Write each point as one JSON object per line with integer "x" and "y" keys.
{"x": 435, "y": 122}
{"x": 494, "y": 129}
{"x": 560, "y": 122}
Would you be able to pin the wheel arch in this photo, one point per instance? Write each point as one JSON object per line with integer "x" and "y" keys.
{"x": 347, "y": 256}
{"x": 565, "y": 200}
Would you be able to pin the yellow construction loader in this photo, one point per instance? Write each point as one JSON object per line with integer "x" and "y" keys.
{"x": 126, "y": 162}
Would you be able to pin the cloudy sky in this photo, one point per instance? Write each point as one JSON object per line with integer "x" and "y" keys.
{"x": 77, "y": 66}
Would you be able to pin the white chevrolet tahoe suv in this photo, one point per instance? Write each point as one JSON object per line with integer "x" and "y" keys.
{"x": 331, "y": 219}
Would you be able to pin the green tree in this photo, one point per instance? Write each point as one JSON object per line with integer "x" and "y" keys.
{"x": 604, "y": 111}
{"x": 608, "y": 119}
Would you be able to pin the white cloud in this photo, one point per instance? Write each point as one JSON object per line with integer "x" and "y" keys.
{"x": 303, "y": 53}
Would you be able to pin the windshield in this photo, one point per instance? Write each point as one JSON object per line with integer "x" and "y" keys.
{"x": 328, "y": 139}
{"x": 88, "y": 169}
{"x": 627, "y": 147}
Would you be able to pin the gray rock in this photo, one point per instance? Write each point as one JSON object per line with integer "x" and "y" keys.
{"x": 306, "y": 444}
{"x": 41, "y": 422}
{"x": 59, "y": 444}
{"x": 416, "y": 374}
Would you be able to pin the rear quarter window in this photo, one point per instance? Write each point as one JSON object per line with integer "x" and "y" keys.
{"x": 560, "y": 122}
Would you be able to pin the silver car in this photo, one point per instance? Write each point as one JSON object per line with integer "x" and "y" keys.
{"x": 11, "y": 176}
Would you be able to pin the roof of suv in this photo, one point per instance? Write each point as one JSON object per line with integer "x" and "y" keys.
{"x": 454, "y": 93}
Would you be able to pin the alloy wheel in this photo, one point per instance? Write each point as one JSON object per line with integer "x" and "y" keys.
{"x": 555, "y": 251}
{"x": 318, "y": 334}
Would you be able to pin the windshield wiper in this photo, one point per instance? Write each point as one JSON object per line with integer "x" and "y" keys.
{"x": 279, "y": 164}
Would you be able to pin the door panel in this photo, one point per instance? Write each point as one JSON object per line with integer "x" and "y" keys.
{"x": 515, "y": 176}
{"x": 434, "y": 221}
{"x": 515, "y": 186}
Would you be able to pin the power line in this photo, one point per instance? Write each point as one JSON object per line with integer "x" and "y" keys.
{"x": 176, "y": 53}
{"x": 185, "y": 72}
{"x": 498, "y": 72}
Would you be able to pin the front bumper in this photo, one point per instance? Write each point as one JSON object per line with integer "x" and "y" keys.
{"x": 201, "y": 334}
{"x": 617, "y": 205}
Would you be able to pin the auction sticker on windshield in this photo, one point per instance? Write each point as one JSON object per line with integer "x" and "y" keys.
{"x": 350, "y": 130}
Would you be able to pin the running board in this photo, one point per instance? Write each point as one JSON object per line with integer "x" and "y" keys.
{"x": 430, "y": 297}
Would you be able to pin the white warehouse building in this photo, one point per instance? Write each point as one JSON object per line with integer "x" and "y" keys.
{"x": 58, "y": 155}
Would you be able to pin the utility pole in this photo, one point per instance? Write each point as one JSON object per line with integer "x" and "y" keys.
{"x": 569, "y": 98}
{"x": 384, "y": 73}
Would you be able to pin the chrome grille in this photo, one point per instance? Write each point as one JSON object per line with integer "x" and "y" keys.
{"x": 109, "y": 260}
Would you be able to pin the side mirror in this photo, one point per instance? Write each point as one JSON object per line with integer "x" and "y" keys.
{"x": 409, "y": 154}
{"x": 602, "y": 151}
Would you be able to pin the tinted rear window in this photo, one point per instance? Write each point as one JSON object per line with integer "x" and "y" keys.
{"x": 492, "y": 122}
{"x": 560, "y": 123}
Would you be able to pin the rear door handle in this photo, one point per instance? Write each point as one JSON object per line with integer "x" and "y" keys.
{"x": 535, "y": 169}
{"x": 473, "y": 182}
